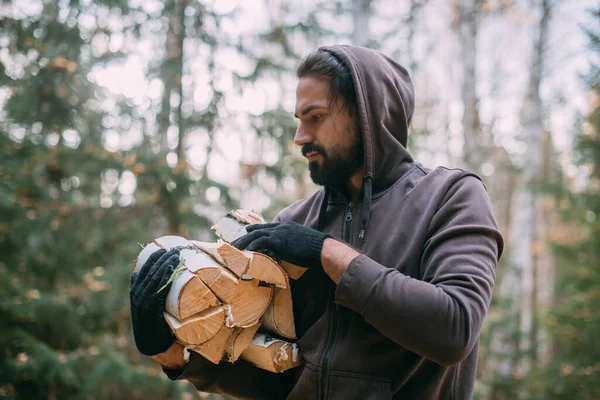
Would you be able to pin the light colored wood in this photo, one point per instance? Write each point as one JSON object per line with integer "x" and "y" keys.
{"x": 279, "y": 317}
{"x": 215, "y": 310}
{"x": 247, "y": 217}
{"x": 265, "y": 269}
{"x": 187, "y": 295}
{"x": 199, "y": 328}
{"x": 229, "y": 229}
{"x": 195, "y": 259}
{"x": 245, "y": 301}
{"x": 232, "y": 226}
{"x": 271, "y": 354}
{"x": 240, "y": 339}
{"x": 215, "y": 348}
{"x": 163, "y": 242}
{"x": 225, "y": 254}
{"x": 194, "y": 296}
{"x": 293, "y": 271}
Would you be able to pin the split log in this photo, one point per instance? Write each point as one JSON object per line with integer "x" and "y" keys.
{"x": 215, "y": 348}
{"x": 265, "y": 269}
{"x": 228, "y": 344}
{"x": 245, "y": 300}
{"x": 228, "y": 228}
{"x": 233, "y": 226}
{"x": 199, "y": 328}
{"x": 271, "y": 354}
{"x": 293, "y": 271}
{"x": 246, "y": 217}
{"x": 187, "y": 295}
{"x": 204, "y": 283}
{"x": 240, "y": 340}
{"x": 164, "y": 242}
{"x": 226, "y": 255}
{"x": 220, "y": 296}
{"x": 279, "y": 317}
{"x": 253, "y": 265}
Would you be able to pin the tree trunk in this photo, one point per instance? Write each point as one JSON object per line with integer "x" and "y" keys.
{"x": 361, "y": 13}
{"x": 171, "y": 74}
{"x": 180, "y": 37}
{"x": 546, "y": 265}
{"x": 520, "y": 283}
{"x": 410, "y": 23}
{"x": 527, "y": 242}
{"x": 467, "y": 33}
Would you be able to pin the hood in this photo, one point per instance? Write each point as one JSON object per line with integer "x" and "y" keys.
{"x": 386, "y": 101}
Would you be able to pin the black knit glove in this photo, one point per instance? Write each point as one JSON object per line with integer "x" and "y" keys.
{"x": 289, "y": 241}
{"x": 150, "y": 330}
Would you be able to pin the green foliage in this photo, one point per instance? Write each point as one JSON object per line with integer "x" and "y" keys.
{"x": 574, "y": 371}
{"x": 68, "y": 234}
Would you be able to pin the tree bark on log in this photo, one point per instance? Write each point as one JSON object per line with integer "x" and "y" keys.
{"x": 240, "y": 339}
{"x": 197, "y": 329}
{"x": 279, "y": 317}
{"x": 220, "y": 296}
{"x": 272, "y": 354}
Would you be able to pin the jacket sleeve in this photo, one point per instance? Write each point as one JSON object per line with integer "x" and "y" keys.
{"x": 241, "y": 380}
{"x": 440, "y": 316}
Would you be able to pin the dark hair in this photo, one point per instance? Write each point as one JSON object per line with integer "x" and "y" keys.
{"x": 322, "y": 62}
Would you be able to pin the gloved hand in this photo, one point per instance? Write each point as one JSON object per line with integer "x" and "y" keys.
{"x": 150, "y": 330}
{"x": 289, "y": 241}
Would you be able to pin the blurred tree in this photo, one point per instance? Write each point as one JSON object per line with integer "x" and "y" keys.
{"x": 292, "y": 32}
{"x": 361, "y": 14}
{"x": 467, "y": 19}
{"x": 574, "y": 370}
{"x": 73, "y": 204}
{"x": 512, "y": 336}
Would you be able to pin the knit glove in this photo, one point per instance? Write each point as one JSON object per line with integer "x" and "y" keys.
{"x": 289, "y": 241}
{"x": 150, "y": 330}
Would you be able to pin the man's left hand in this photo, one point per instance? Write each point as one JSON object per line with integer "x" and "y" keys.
{"x": 289, "y": 241}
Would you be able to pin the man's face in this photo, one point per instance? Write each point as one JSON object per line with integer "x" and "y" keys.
{"x": 328, "y": 133}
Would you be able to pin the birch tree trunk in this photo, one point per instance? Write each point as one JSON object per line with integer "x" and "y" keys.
{"x": 171, "y": 73}
{"x": 361, "y": 13}
{"x": 410, "y": 23}
{"x": 522, "y": 281}
{"x": 468, "y": 15}
{"x": 545, "y": 266}
{"x": 528, "y": 257}
{"x": 520, "y": 284}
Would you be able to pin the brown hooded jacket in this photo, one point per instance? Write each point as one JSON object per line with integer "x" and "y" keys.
{"x": 404, "y": 321}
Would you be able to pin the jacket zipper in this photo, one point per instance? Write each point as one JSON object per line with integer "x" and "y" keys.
{"x": 348, "y": 232}
{"x": 335, "y": 316}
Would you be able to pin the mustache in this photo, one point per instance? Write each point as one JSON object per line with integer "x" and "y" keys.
{"x": 309, "y": 147}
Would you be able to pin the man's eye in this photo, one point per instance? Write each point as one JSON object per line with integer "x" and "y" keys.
{"x": 316, "y": 117}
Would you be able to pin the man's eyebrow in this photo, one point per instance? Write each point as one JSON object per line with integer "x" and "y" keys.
{"x": 309, "y": 108}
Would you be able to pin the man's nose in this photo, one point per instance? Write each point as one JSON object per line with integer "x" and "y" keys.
{"x": 302, "y": 136}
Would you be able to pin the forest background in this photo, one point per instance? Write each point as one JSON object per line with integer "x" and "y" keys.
{"x": 124, "y": 120}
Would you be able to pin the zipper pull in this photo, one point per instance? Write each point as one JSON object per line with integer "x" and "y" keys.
{"x": 349, "y": 213}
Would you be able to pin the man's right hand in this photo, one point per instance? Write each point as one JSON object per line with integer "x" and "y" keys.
{"x": 150, "y": 330}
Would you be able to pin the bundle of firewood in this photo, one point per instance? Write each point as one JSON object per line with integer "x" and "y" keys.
{"x": 225, "y": 303}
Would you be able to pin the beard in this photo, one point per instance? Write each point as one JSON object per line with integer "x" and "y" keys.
{"x": 338, "y": 163}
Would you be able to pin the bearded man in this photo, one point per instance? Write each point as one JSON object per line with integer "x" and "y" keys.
{"x": 401, "y": 258}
